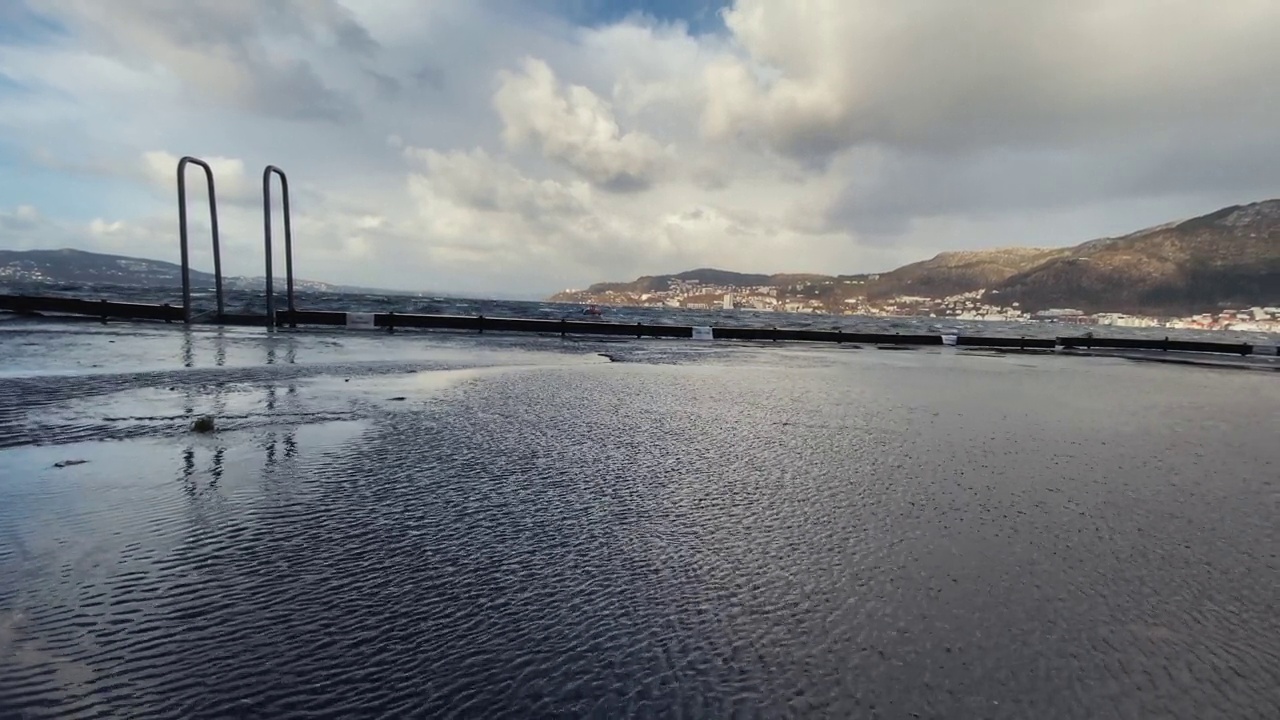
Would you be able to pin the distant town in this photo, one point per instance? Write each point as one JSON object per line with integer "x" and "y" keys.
{"x": 977, "y": 305}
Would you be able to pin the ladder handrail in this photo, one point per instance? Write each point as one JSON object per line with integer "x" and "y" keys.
{"x": 267, "y": 172}
{"x": 182, "y": 235}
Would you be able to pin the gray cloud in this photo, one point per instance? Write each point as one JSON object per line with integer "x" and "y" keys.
{"x": 20, "y": 224}
{"x": 430, "y": 76}
{"x": 811, "y": 79}
{"x": 951, "y": 115}
{"x": 227, "y": 48}
{"x": 833, "y": 135}
{"x": 387, "y": 87}
{"x": 353, "y": 38}
{"x": 882, "y": 200}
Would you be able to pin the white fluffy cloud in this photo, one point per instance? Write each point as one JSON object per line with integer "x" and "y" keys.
{"x": 576, "y": 127}
{"x": 480, "y": 146}
{"x": 230, "y": 178}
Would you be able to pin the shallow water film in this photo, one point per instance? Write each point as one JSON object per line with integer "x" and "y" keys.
{"x": 441, "y": 525}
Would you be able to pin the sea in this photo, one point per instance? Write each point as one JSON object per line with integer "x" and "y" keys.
{"x": 456, "y": 525}
{"x": 243, "y": 301}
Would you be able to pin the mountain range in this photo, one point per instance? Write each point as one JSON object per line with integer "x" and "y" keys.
{"x": 79, "y": 267}
{"x": 1227, "y": 258}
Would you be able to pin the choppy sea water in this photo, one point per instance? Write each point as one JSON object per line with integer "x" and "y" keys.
{"x": 253, "y": 302}
{"x": 430, "y": 525}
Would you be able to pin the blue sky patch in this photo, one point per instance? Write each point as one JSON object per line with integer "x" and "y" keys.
{"x": 20, "y": 25}
{"x": 701, "y": 16}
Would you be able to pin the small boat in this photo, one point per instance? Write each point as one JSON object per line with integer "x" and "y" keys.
{"x": 592, "y": 310}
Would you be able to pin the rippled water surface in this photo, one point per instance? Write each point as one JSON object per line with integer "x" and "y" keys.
{"x": 435, "y": 525}
{"x": 255, "y": 302}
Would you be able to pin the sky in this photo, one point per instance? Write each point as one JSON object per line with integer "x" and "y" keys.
{"x": 520, "y": 148}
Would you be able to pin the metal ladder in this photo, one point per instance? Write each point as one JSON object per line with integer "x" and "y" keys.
{"x": 182, "y": 236}
{"x": 267, "y": 172}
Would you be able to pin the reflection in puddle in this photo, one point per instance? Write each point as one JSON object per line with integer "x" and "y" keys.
{"x": 75, "y": 537}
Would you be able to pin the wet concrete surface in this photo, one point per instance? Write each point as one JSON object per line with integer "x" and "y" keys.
{"x": 434, "y": 525}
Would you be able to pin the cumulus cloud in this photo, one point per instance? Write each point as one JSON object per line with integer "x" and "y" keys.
{"x": 487, "y": 215}
{"x": 218, "y": 48}
{"x": 811, "y": 79}
{"x": 475, "y": 145}
{"x": 231, "y": 183}
{"x": 574, "y": 126}
{"x": 20, "y": 218}
{"x": 26, "y": 228}
{"x": 484, "y": 211}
